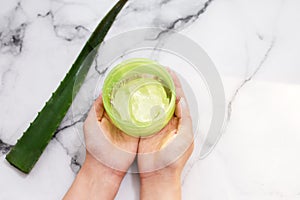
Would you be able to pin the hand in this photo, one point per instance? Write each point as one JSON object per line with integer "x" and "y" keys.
{"x": 109, "y": 154}
{"x": 162, "y": 157}
{"x": 107, "y": 143}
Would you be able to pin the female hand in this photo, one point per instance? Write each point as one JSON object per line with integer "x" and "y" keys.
{"x": 162, "y": 157}
{"x": 105, "y": 142}
{"x": 109, "y": 154}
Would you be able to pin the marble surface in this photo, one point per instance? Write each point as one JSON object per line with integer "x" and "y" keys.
{"x": 254, "y": 45}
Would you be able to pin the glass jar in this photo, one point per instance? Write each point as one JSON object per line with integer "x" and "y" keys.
{"x": 139, "y": 96}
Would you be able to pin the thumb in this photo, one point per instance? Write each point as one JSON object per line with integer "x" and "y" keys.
{"x": 99, "y": 107}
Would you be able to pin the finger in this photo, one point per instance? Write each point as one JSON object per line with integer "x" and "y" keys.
{"x": 182, "y": 109}
{"x": 178, "y": 110}
{"x": 99, "y": 108}
{"x": 95, "y": 114}
{"x": 178, "y": 87}
{"x": 185, "y": 120}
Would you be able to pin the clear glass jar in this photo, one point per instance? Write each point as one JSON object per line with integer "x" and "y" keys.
{"x": 139, "y": 96}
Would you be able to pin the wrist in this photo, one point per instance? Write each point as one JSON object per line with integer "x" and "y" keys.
{"x": 96, "y": 170}
{"x": 160, "y": 186}
{"x": 94, "y": 180}
{"x": 160, "y": 178}
{"x": 93, "y": 166}
{"x": 163, "y": 174}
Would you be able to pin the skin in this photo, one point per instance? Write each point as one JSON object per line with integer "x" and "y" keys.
{"x": 165, "y": 183}
{"x": 96, "y": 180}
{"x": 167, "y": 151}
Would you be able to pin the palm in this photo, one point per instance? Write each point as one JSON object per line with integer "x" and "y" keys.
{"x": 159, "y": 140}
{"x": 118, "y": 137}
{"x": 171, "y": 147}
{"x": 107, "y": 143}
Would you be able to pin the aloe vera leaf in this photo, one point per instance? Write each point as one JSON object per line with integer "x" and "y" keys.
{"x": 30, "y": 146}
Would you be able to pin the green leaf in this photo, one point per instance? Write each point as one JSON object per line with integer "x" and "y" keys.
{"x": 31, "y": 145}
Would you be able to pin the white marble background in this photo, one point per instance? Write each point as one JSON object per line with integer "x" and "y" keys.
{"x": 254, "y": 44}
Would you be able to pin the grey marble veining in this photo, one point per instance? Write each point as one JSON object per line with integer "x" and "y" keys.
{"x": 254, "y": 44}
{"x": 4, "y": 147}
{"x": 247, "y": 79}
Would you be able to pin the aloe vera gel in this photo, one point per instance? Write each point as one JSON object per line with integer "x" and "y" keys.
{"x": 139, "y": 97}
